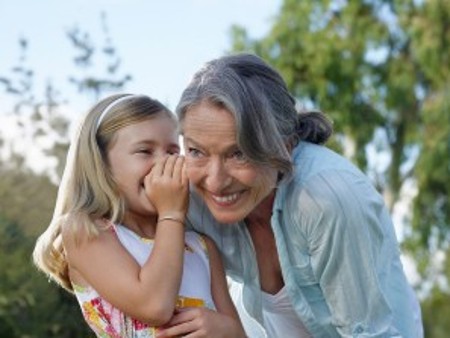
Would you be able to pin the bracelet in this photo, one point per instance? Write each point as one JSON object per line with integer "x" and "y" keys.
{"x": 170, "y": 218}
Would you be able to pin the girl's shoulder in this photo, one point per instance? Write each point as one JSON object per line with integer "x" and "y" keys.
{"x": 80, "y": 227}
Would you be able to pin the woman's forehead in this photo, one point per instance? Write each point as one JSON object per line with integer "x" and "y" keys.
{"x": 210, "y": 126}
{"x": 208, "y": 116}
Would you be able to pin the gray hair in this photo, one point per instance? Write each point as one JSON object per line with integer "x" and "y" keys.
{"x": 267, "y": 121}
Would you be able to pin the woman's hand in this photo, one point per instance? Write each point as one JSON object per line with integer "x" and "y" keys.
{"x": 201, "y": 323}
{"x": 167, "y": 187}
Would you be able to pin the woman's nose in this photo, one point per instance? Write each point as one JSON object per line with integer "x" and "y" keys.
{"x": 217, "y": 176}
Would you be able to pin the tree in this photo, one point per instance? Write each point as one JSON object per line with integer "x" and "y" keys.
{"x": 97, "y": 84}
{"x": 27, "y": 199}
{"x": 436, "y": 311}
{"x": 30, "y": 306}
{"x": 430, "y": 38}
{"x": 382, "y": 75}
{"x": 42, "y": 116}
{"x": 381, "y": 70}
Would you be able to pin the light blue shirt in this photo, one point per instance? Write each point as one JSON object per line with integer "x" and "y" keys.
{"x": 337, "y": 248}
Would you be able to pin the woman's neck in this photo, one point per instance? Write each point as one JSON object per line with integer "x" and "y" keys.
{"x": 260, "y": 230}
{"x": 261, "y": 215}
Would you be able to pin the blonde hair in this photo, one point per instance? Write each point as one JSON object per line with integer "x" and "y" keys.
{"x": 87, "y": 192}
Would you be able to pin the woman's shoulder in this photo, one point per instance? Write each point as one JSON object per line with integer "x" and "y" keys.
{"x": 317, "y": 167}
{"x": 310, "y": 159}
{"x": 327, "y": 184}
{"x": 198, "y": 241}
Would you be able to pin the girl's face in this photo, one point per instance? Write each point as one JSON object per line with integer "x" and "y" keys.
{"x": 230, "y": 185}
{"x": 132, "y": 154}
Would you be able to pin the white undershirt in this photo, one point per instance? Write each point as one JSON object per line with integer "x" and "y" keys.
{"x": 280, "y": 319}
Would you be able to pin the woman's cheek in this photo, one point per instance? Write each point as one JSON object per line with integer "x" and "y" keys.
{"x": 193, "y": 170}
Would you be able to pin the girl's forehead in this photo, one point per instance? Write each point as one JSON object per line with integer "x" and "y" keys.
{"x": 161, "y": 127}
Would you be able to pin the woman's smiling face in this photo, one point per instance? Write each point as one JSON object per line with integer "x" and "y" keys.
{"x": 231, "y": 186}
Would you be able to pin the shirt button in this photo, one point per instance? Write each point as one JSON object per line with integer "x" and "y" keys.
{"x": 359, "y": 329}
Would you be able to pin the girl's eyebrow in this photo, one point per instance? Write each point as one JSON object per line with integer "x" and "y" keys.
{"x": 152, "y": 143}
{"x": 139, "y": 142}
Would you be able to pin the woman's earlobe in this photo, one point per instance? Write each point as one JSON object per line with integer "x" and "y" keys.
{"x": 280, "y": 176}
{"x": 290, "y": 145}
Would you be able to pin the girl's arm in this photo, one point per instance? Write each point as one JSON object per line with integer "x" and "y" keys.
{"x": 219, "y": 289}
{"x": 146, "y": 293}
{"x": 202, "y": 322}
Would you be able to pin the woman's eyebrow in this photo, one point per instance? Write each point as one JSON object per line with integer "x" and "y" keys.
{"x": 225, "y": 149}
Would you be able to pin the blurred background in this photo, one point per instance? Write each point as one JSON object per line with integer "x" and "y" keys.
{"x": 380, "y": 69}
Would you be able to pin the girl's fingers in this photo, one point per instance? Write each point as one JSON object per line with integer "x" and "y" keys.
{"x": 178, "y": 168}
{"x": 184, "y": 176}
{"x": 169, "y": 165}
{"x": 159, "y": 167}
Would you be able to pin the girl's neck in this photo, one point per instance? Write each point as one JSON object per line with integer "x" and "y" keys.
{"x": 143, "y": 226}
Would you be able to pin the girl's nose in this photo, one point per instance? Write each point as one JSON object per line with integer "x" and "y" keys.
{"x": 156, "y": 157}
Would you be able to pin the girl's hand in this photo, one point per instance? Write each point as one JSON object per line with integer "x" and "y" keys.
{"x": 201, "y": 323}
{"x": 167, "y": 186}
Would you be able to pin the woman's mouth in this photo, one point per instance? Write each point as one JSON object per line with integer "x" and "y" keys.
{"x": 225, "y": 200}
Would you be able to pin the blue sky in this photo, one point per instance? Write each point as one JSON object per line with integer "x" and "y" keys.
{"x": 161, "y": 42}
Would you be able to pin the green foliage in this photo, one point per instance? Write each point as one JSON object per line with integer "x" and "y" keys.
{"x": 30, "y": 306}
{"x": 436, "y": 312}
{"x": 27, "y": 198}
{"x": 19, "y": 82}
{"x": 431, "y": 38}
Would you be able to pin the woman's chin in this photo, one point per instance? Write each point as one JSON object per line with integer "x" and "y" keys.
{"x": 227, "y": 217}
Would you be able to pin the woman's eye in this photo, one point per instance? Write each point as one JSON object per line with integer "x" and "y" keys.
{"x": 173, "y": 151}
{"x": 238, "y": 155}
{"x": 193, "y": 152}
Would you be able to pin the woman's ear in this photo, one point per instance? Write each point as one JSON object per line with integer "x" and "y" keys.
{"x": 280, "y": 176}
{"x": 290, "y": 145}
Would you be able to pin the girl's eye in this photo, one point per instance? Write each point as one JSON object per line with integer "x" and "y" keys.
{"x": 145, "y": 151}
{"x": 173, "y": 151}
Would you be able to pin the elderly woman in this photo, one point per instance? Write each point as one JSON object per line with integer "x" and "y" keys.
{"x": 301, "y": 228}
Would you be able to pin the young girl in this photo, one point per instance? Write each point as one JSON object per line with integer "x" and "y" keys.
{"x": 117, "y": 238}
